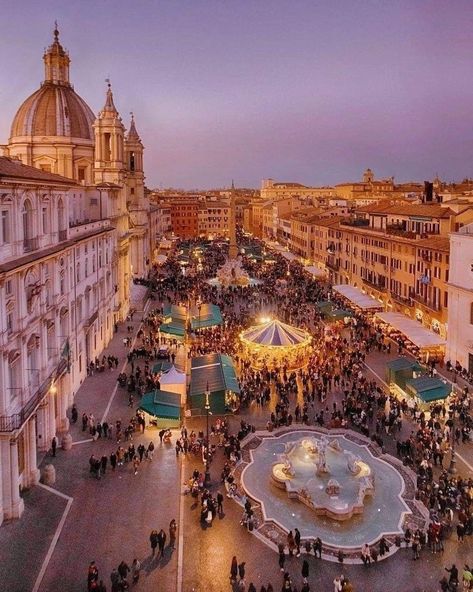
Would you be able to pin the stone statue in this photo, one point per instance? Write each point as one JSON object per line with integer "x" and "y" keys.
{"x": 352, "y": 463}
{"x": 333, "y": 487}
{"x": 335, "y": 445}
{"x": 321, "y": 465}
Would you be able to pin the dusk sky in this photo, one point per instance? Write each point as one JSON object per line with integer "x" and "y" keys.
{"x": 307, "y": 91}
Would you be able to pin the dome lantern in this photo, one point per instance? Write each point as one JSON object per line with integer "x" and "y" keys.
{"x": 56, "y": 62}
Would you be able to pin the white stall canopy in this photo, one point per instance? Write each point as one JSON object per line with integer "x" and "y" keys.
{"x": 357, "y": 297}
{"x": 315, "y": 271}
{"x": 174, "y": 381}
{"x": 416, "y": 333}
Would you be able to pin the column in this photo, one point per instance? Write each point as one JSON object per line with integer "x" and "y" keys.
{"x": 63, "y": 403}
{"x": 17, "y": 503}
{"x": 32, "y": 468}
{"x": 52, "y": 416}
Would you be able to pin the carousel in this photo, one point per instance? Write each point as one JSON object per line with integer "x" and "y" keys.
{"x": 275, "y": 344}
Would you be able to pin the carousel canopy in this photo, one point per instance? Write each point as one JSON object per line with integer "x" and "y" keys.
{"x": 276, "y": 334}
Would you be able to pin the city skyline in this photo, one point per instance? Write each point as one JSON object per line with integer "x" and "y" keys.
{"x": 305, "y": 93}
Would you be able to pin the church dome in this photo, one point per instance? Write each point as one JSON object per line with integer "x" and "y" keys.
{"x": 54, "y": 110}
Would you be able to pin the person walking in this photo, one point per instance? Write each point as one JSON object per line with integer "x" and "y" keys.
{"x": 305, "y": 571}
{"x": 161, "y": 543}
{"x": 172, "y": 533}
{"x": 291, "y": 543}
{"x": 297, "y": 540}
{"x": 233, "y": 570}
{"x": 135, "y": 571}
{"x": 53, "y": 446}
{"x": 219, "y": 503}
{"x": 92, "y": 576}
{"x": 282, "y": 556}
{"x": 153, "y": 540}
{"x": 242, "y": 571}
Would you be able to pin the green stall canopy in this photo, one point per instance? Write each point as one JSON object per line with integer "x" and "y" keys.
{"x": 218, "y": 373}
{"x": 164, "y": 406}
{"x": 428, "y": 389}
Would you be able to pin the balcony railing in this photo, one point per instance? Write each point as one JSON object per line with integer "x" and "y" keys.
{"x": 355, "y": 222}
{"x": 9, "y": 423}
{"x": 376, "y": 286}
{"x": 333, "y": 265}
{"x": 400, "y": 299}
{"x": 427, "y": 303}
{"x": 30, "y": 244}
{"x": 399, "y": 231}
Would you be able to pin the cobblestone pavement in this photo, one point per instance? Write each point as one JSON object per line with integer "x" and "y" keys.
{"x": 110, "y": 519}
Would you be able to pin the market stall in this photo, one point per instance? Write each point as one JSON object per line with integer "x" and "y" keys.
{"x": 174, "y": 381}
{"x": 215, "y": 374}
{"x": 161, "y": 408}
{"x": 205, "y": 316}
{"x": 426, "y": 389}
{"x": 419, "y": 341}
{"x": 357, "y": 298}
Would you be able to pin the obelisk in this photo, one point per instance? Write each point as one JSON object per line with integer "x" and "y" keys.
{"x": 233, "y": 248}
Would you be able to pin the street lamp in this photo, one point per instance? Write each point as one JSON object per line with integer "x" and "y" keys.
{"x": 207, "y": 459}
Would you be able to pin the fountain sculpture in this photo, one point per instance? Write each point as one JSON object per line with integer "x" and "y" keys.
{"x": 324, "y": 477}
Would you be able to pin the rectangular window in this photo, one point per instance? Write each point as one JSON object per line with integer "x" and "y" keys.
{"x": 45, "y": 220}
{"x": 81, "y": 174}
{"x": 5, "y": 227}
{"x": 8, "y": 288}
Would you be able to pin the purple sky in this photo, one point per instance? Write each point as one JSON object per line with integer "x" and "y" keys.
{"x": 298, "y": 90}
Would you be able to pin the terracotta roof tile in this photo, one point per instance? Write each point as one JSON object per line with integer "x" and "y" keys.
{"x": 15, "y": 169}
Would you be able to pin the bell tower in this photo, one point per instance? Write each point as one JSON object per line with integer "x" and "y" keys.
{"x": 109, "y": 143}
{"x": 134, "y": 165}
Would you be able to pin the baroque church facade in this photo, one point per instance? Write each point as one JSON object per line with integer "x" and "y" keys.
{"x": 74, "y": 232}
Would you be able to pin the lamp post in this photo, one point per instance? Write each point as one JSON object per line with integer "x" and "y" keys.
{"x": 207, "y": 464}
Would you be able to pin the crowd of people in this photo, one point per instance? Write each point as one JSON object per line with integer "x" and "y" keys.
{"x": 333, "y": 389}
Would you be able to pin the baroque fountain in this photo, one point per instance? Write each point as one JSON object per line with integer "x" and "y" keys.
{"x": 335, "y": 485}
{"x": 318, "y": 473}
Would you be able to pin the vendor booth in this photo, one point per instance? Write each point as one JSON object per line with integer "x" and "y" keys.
{"x": 205, "y": 316}
{"x": 216, "y": 373}
{"x": 174, "y": 381}
{"x": 426, "y": 389}
{"x": 274, "y": 343}
{"x": 357, "y": 298}
{"x": 315, "y": 272}
{"x": 161, "y": 408}
{"x": 421, "y": 342}
{"x": 400, "y": 370}
{"x": 174, "y": 321}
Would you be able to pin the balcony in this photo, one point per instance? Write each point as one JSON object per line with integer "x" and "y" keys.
{"x": 30, "y": 244}
{"x": 400, "y": 299}
{"x": 376, "y": 286}
{"x": 426, "y": 303}
{"x": 356, "y": 222}
{"x": 10, "y": 423}
{"x": 397, "y": 230}
{"x": 333, "y": 265}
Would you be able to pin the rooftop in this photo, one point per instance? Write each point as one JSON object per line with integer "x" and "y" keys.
{"x": 11, "y": 168}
